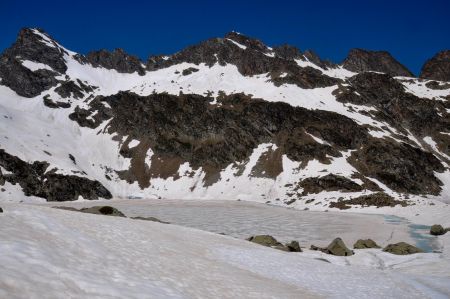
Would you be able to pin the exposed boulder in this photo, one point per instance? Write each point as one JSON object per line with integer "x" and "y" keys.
{"x": 117, "y": 60}
{"x": 437, "y": 230}
{"x": 365, "y": 243}
{"x": 336, "y": 247}
{"x": 402, "y": 248}
{"x": 359, "y": 60}
{"x": 1, "y": 210}
{"x": 265, "y": 240}
{"x": 101, "y": 210}
{"x": 293, "y": 246}
{"x": 379, "y": 199}
{"x": 269, "y": 241}
{"x": 437, "y": 67}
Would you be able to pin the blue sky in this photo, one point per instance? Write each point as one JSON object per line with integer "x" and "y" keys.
{"x": 412, "y": 31}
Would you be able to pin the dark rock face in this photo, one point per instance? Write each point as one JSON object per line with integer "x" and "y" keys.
{"x": 400, "y": 166}
{"x": 379, "y": 199}
{"x": 287, "y": 52}
{"x": 36, "y": 181}
{"x": 400, "y": 109}
{"x": 75, "y": 90}
{"x": 359, "y": 60}
{"x": 364, "y": 244}
{"x": 402, "y": 248}
{"x": 1, "y": 210}
{"x": 437, "y": 67}
{"x": 329, "y": 182}
{"x": 31, "y": 46}
{"x": 187, "y": 128}
{"x": 117, "y": 59}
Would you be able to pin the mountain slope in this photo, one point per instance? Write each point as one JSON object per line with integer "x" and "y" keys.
{"x": 228, "y": 118}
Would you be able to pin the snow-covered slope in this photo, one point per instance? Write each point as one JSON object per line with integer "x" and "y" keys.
{"x": 211, "y": 122}
{"x": 52, "y": 253}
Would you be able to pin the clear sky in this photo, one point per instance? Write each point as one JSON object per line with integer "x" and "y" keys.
{"x": 412, "y": 31}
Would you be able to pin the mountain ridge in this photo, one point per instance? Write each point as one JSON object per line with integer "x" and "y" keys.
{"x": 220, "y": 116}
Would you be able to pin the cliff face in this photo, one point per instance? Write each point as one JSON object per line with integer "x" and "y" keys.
{"x": 227, "y": 118}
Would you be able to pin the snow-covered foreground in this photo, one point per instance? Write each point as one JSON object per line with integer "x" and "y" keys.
{"x": 54, "y": 253}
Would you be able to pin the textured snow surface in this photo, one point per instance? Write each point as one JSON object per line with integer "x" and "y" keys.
{"x": 52, "y": 253}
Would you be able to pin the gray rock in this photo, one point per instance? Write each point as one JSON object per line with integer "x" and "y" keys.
{"x": 402, "y": 248}
{"x": 265, "y": 240}
{"x": 336, "y": 247}
{"x": 103, "y": 210}
{"x": 365, "y": 243}
{"x": 437, "y": 230}
{"x": 293, "y": 246}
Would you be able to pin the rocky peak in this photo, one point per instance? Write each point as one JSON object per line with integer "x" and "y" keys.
{"x": 359, "y": 60}
{"x": 117, "y": 59}
{"x": 437, "y": 67}
{"x": 38, "y": 47}
{"x": 251, "y": 43}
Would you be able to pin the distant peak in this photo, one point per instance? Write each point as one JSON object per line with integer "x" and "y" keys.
{"x": 362, "y": 60}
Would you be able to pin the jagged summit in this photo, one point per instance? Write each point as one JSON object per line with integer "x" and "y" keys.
{"x": 360, "y": 60}
{"x": 437, "y": 67}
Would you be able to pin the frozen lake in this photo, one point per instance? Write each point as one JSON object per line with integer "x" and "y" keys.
{"x": 242, "y": 219}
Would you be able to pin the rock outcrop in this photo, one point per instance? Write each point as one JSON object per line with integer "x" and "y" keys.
{"x": 402, "y": 248}
{"x": 336, "y": 247}
{"x": 269, "y": 241}
{"x": 36, "y": 180}
{"x": 359, "y": 60}
{"x": 437, "y": 67}
{"x": 379, "y": 199}
{"x": 365, "y": 243}
{"x": 36, "y": 46}
{"x": 100, "y": 210}
{"x": 437, "y": 230}
{"x": 117, "y": 60}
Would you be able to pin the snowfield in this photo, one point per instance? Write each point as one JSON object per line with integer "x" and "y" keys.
{"x": 54, "y": 253}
